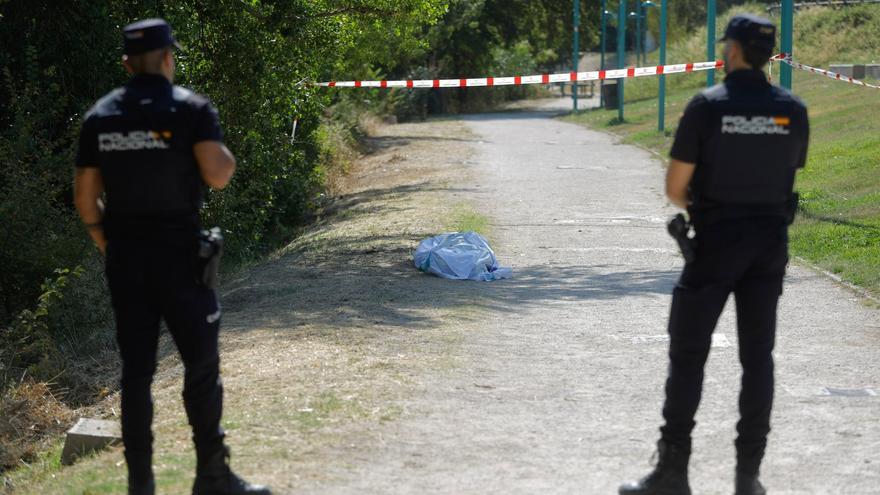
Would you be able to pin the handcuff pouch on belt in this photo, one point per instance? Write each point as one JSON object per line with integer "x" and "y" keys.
{"x": 679, "y": 227}
{"x": 210, "y": 251}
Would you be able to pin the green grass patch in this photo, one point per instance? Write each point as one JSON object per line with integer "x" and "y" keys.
{"x": 41, "y": 476}
{"x": 464, "y": 218}
{"x": 319, "y": 410}
{"x": 838, "y": 228}
{"x": 40, "y": 469}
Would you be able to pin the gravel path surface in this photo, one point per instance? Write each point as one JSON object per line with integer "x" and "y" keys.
{"x": 558, "y": 387}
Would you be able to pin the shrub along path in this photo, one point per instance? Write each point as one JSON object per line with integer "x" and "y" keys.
{"x": 348, "y": 372}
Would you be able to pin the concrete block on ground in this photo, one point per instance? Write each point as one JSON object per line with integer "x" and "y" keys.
{"x": 87, "y": 436}
{"x": 872, "y": 71}
{"x": 855, "y": 71}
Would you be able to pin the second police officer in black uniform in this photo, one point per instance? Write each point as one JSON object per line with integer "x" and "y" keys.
{"x": 733, "y": 165}
{"x": 152, "y": 147}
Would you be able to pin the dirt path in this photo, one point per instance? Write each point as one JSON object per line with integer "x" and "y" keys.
{"x": 322, "y": 344}
{"x": 558, "y": 383}
{"x": 347, "y": 371}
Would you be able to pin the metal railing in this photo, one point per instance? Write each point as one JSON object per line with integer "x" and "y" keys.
{"x": 823, "y": 3}
{"x": 586, "y": 89}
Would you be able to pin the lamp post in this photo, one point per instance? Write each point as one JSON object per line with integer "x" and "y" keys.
{"x": 576, "y": 49}
{"x": 710, "y": 39}
{"x": 605, "y": 15}
{"x": 621, "y": 54}
{"x": 638, "y": 15}
{"x": 644, "y": 40}
{"x": 632, "y": 15}
{"x": 661, "y": 104}
{"x": 786, "y": 41}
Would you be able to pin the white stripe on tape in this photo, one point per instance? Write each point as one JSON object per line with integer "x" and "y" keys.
{"x": 561, "y": 77}
{"x": 787, "y": 59}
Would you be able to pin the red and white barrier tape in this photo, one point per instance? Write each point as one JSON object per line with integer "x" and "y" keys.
{"x": 786, "y": 59}
{"x": 563, "y": 77}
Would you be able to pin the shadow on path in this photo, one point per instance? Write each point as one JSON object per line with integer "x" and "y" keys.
{"x": 837, "y": 221}
{"x": 388, "y": 290}
{"x": 382, "y": 143}
{"x": 358, "y": 202}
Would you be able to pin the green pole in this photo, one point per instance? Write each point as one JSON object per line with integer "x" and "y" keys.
{"x": 638, "y": 32}
{"x": 602, "y": 55}
{"x": 644, "y": 33}
{"x": 575, "y": 58}
{"x": 787, "y": 29}
{"x": 621, "y": 54}
{"x": 710, "y": 39}
{"x": 661, "y": 105}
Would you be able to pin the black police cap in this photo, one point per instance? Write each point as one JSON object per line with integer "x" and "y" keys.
{"x": 751, "y": 30}
{"x": 147, "y": 35}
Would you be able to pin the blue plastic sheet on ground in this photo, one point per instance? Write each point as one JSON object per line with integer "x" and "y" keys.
{"x": 460, "y": 256}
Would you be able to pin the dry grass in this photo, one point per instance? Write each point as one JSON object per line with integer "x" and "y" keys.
{"x": 32, "y": 416}
{"x": 323, "y": 343}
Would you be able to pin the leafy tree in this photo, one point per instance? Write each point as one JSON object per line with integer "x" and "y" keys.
{"x": 57, "y": 57}
{"x": 248, "y": 56}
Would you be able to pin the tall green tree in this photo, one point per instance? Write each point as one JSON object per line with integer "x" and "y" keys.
{"x": 57, "y": 57}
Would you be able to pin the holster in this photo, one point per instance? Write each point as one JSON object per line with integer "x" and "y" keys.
{"x": 208, "y": 263}
{"x": 678, "y": 228}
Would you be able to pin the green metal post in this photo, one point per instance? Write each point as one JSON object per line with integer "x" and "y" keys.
{"x": 621, "y": 54}
{"x": 602, "y": 55}
{"x": 638, "y": 32}
{"x": 661, "y": 105}
{"x": 575, "y": 58}
{"x": 710, "y": 39}
{"x": 786, "y": 42}
{"x": 643, "y": 45}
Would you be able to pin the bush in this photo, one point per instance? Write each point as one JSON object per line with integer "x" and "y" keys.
{"x": 71, "y": 320}
{"x": 32, "y": 414}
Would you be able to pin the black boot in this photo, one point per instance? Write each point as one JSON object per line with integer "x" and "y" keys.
{"x": 748, "y": 484}
{"x": 213, "y": 477}
{"x": 669, "y": 477}
{"x": 144, "y": 488}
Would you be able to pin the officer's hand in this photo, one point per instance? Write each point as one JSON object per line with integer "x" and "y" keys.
{"x": 216, "y": 163}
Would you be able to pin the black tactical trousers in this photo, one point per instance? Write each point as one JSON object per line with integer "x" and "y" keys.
{"x": 149, "y": 282}
{"x": 748, "y": 258}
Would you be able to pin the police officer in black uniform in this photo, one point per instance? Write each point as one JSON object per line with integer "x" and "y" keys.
{"x": 733, "y": 164}
{"x": 150, "y": 148}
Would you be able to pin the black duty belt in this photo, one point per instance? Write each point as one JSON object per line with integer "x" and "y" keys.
{"x": 705, "y": 213}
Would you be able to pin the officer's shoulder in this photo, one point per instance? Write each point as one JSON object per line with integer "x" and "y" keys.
{"x": 190, "y": 97}
{"x": 698, "y": 101}
{"x": 106, "y": 106}
{"x": 713, "y": 93}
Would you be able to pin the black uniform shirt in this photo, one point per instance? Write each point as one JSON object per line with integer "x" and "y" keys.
{"x": 141, "y": 136}
{"x": 747, "y": 139}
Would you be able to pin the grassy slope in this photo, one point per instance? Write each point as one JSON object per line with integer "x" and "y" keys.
{"x": 321, "y": 344}
{"x": 839, "y": 226}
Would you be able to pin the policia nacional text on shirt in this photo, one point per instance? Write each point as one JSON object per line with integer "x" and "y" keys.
{"x": 149, "y": 149}
{"x": 734, "y": 159}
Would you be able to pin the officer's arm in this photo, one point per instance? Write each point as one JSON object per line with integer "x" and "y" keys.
{"x": 88, "y": 185}
{"x": 678, "y": 178}
{"x": 216, "y": 163}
